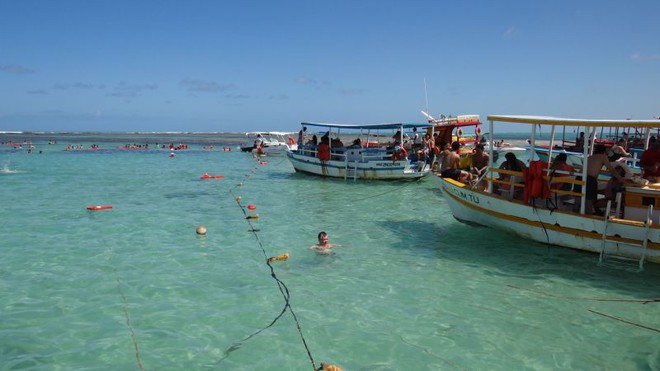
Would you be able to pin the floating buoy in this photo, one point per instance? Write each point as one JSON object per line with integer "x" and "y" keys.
{"x": 238, "y": 198}
{"x": 100, "y": 207}
{"x": 253, "y": 216}
{"x": 207, "y": 176}
{"x": 201, "y": 230}
{"x": 251, "y": 207}
{"x": 171, "y": 154}
{"x": 278, "y": 258}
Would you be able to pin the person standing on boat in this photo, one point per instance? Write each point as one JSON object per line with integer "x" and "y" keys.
{"x": 302, "y": 135}
{"x": 449, "y": 168}
{"x": 416, "y": 141}
{"x": 595, "y": 163}
{"x": 324, "y": 153}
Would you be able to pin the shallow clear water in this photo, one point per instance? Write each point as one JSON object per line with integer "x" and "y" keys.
{"x": 410, "y": 289}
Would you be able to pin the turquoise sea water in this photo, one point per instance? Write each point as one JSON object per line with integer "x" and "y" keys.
{"x": 409, "y": 289}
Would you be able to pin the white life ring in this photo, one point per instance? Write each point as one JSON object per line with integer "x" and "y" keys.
{"x": 459, "y": 132}
{"x": 478, "y": 130}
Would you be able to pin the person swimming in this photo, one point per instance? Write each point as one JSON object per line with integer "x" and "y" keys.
{"x": 324, "y": 246}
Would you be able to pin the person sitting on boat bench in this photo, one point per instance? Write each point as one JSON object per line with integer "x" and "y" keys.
{"x": 613, "y": 187}
{"x": 512, "y": 164}
{"x": 595, "y": 163}
{"x": 480, "y": 160}
{"x": 450, "y": 165}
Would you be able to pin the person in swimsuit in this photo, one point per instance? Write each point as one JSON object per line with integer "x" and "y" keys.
{"x": 450, "y": 164}
{"x": 324, "y": 246}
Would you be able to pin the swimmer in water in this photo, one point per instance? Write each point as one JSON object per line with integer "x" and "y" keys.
{"x": 324, "y": 246}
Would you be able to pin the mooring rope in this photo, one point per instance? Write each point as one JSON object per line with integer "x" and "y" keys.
{"x": 284, "y": 290}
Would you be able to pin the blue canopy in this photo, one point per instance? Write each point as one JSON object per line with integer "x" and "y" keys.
{"x": 392, "y": 126}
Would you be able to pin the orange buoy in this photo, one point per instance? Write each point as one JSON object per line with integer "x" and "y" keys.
{"x": 330, "y": 367}
{"x": 251, "y": 207}
{"x": 278, "y": 258}
{"x": 99, "y": 207}
{"x": 207, "y": 176}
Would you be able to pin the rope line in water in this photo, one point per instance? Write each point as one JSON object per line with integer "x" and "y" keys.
{"x": 284, "y": 290}
{"x": 624, "y": 320}
{"x": 643, "y": 301}
{"x": 128, "y": 320}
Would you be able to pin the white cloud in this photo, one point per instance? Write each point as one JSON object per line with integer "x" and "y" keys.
{"x": 637, "y": 56}
{"x": 16, "y": 69}
{"x": 305, "y": 80}
{"x": 206, "y": 86}
{"x": 510, "y": 32}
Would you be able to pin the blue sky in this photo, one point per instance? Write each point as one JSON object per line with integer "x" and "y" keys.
{"x": 268, "y": 65}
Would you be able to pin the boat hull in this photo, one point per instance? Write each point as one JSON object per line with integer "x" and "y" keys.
{"x": 377, "y": 170}
{"x": 582, "y": 232}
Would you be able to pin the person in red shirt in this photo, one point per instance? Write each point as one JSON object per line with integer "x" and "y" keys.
{"x": 399, "y": 153}
{"x": 324, "y": 154}
{"x": 650, "y": 161}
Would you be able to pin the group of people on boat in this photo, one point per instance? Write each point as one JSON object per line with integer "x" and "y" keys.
{"x": 513, "y": 172}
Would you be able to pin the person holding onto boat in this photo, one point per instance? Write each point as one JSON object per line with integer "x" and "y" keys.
{"x": 650, "y": 161}
{"x": 451, "y": 163}
{"x": 324, "y": 246}
{"x": 595, "y": 163}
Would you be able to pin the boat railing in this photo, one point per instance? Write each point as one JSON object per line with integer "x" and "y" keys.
{"x": 509, "y": 182}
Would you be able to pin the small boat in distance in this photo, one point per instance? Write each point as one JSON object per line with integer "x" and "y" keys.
{"x": 376, "y": 151}
{"x": 273, "y": 143}
{"x": 552, "y": 206}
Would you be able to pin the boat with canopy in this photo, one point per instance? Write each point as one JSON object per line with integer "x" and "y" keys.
{"x": 528, "y": 202}
{"x": 371, "y": 151}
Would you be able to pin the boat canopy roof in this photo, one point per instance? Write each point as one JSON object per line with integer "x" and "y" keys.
{"x": 545, "y": 120}
{"x": 368, "y": 126}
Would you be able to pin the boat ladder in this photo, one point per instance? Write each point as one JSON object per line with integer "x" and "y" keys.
{"x": 641, "y": 244}
{"x": 350, "y": 170}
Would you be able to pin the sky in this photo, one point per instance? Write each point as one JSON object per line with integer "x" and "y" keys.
{"x": 248, "y": 65}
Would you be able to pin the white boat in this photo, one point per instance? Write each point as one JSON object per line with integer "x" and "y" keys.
{"x": 629, "y": 230}
{"x": 272, "y": 143}
{"x": 370, "y": 156}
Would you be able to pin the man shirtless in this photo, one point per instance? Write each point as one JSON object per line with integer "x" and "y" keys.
{"x": 450, "y": 165}
{"x": 595, "y": 163}
{"x": 324, "y": 246}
